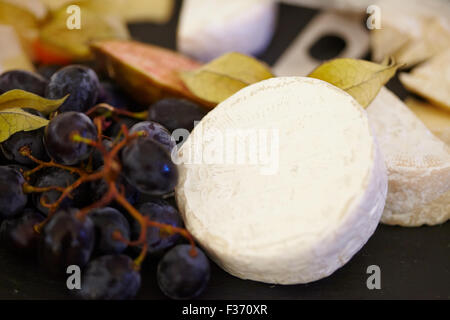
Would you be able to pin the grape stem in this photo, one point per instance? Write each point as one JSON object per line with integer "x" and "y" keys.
{"x": 27, "y": 188}
{"x": 110, "y": 173}
{"x": 26, "y": 152}
{"x": 136, "y": 115}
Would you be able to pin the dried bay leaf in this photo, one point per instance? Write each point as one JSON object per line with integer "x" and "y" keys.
{"x": 361, "y": 79}
{"x": 15, "y": 119}
{"x": 23, "y": 99}
{"x": 224, "y": 76}
{"x": 218, "y": 88}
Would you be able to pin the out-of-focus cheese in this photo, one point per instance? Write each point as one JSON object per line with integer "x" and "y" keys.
{"x": 307, "y": 202}
{"x": 431, "y": 80}
{"x": 418, "y": 164}
{"x": 411, "y": 31}
{"x": 208, "y": 29}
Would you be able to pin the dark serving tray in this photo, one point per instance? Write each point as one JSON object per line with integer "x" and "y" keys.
{"x": 414, "y": 262}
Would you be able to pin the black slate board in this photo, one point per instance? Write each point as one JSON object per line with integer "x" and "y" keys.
{"x": 414, "y": 262}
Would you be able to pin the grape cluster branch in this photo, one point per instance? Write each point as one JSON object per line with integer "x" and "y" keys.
{"x": 110, "y": 174}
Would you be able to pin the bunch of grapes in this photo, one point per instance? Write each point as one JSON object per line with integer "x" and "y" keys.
{"x": 93, "y": 188}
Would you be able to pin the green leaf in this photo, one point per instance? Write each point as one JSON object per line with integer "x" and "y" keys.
{"x": 361, "y": 79}
{"x": 224, "y": 76}
{"x": 15, "y": 119}
{"x": 23, "y": 99}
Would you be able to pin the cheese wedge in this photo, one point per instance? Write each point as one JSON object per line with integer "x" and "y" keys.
{"x": 208, "y": 29}
{"x": 431, "y": 80}
{"x": 436, "y": 120}
{"x": 411, "y": 31}
{"x": 418, "y": 164}
{"x": 302, "y": 198}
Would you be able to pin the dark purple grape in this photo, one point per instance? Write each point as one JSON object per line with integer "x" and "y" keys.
{"x": 113, "y": 95}
{"x": 80, "y": 82}
{"x": 115, "y": 128}
{"x": 182, "y": 276}
{"x": 159, "y": 211}
{"x": 3, "y": 160}
{"x": 23, "y": 80}
{"x": 111, "y": 277}
{"x": 22, "y": 169}
{"x": 149, "y": 167}
{"x": 107, "y": 221}
{"x": 176, "y": 113}
{"x": 58, "y": 137}
{"x": 12, "y": 198}
{"x": 100, "y": 187}
{"x": 19, "y": 167}
{"x": 59, "y": 178}
{"x": 18, "y": 234}
{"x": 48, "y": 70}
{"x": 32, "y": 139}
{"x": 156, "y": 132}
{"x": 66, "y": 240}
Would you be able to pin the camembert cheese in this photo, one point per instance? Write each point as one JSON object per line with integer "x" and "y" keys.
{"x": 283, "y": 182}
{"x": 208, "y": 29}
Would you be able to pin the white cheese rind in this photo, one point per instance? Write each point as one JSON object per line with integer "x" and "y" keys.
{"x": 418, "y": 164}
{"x": 318, "y": 209}
{"x": 208, "y": 29}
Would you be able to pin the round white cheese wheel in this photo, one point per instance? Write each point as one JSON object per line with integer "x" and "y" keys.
{"x": 283, "y": 182}
{"x": 209, "y": 29}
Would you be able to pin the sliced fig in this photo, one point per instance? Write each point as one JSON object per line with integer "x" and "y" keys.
{"x": 149, "y": 73}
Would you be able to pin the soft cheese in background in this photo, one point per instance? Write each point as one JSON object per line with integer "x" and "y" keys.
{"x": 411, "y": 30}
{"x": 310, "y": 216}
{"x": 431, "y": 80}
{"x": 208, "y": 29}
{"x": 418, "y": 164}
{"x": 436, "y": 119}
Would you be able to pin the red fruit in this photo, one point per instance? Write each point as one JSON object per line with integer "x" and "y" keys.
{"x": 49, "y": 55}
{"x": 149, "y": 73}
